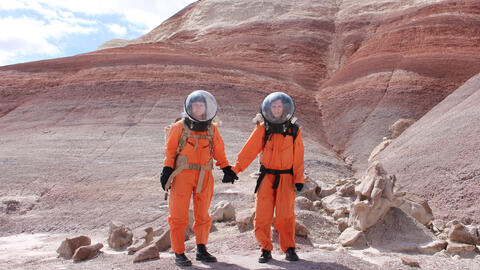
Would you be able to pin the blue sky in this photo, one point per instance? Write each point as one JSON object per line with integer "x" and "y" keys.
{"x": 33, "y": 30}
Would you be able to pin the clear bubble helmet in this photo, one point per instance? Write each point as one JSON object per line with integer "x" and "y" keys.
{"x": 200, "y": 106}
{"x": 277, "y": 108}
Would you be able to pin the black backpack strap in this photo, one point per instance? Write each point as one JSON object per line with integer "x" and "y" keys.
{"x": 291, "y": 131}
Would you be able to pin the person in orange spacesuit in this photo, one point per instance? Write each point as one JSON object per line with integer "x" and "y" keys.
{"x": 279, "y": 141}
{"x": 191, "y": 146}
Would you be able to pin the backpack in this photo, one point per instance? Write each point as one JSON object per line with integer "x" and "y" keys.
{"x": 292, "y": 130}
{"x": 186, "y": 133}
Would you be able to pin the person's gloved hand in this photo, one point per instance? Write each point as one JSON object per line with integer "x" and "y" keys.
{"x": 229, "y": 175}
{"x": 299, "y": 186}
{"x": 166, "y": 172}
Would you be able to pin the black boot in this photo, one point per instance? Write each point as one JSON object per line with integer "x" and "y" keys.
{"x": 203, "y": 255}
{"x": 182, "y": 260}
{"x": 291, "y": 255}
{"x": 265, "y": 257}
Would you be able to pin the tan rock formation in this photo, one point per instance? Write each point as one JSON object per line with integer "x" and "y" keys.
{"x": 440, "y": 151}
{"x": 375, "y": 196}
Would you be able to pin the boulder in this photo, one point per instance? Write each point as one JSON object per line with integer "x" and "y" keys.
{"x": 147, "y": 253}
{"x": 142, "y": 241}
{"x": 398, "y": 232}
{"x": 335, "y": 202}
{"x": 400, "y": 126}
{"x": 163, "y": 242}
{"x": 346, "y": 190}
{"x": 303, "y": 203}
{"x": 349, "y": 237}
{"x": 342, "y": 224}
{"x": 410, "y": 262}
{"x": 432, "y": 247}
{"x": 417, "y": 208}
{"x": 223, "y": 211}
{"x": 244, "y": 220}
{"x": 119, "y": 236}
{"x": 12, "y": 206}
{"x": 86, "y": 252}
{"x": 69, "y": 245}
{"x": 340, "y": 213}
{"x": 300, "y": 229}
{"x": 310, "y": 190}
{"x": 378, "y": 149}
{"x": 461, "y": 234}
{"x": 459, "y": 248}
{"x": 324, "y": 192}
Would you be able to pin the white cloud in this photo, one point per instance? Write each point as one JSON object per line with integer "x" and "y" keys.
{"x": 117, "y": 29}
{"x": 52, "y": 22}
{"x": 23, "y": 35}
{"x": 144, "y": 14}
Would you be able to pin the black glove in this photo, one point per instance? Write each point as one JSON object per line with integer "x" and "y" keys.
{"x": 228, "y": 175}
{"x": 166, "y": 172}
{"x": 299, "y": 186}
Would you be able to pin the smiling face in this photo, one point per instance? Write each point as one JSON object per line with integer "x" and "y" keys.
{"x": 198, "y": 110}
{"x": 277, "y": 108}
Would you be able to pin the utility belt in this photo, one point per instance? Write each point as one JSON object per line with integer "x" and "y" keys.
{"x": 277, "y": 173}
{"x": 181, "y": 163}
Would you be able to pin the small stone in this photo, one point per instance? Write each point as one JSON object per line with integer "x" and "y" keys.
{"x": 342, "y": 224}
{"x": 410, "y": 262}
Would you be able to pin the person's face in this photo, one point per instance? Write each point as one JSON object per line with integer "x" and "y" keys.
{"x": 277, "y": 108}
{"x": 198, "y": 110}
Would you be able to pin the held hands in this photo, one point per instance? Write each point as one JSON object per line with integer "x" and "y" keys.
{"x": 166, "y": 172}
{"x": 299, "y": 186}
{"x": 228, "y": 175}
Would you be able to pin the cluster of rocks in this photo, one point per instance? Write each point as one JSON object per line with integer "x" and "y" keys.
{"x": 150, "y": 243}
{"x": 20, "y": 205}
{"x": 78, "y": 248}
{"x": 375, "y": 196}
